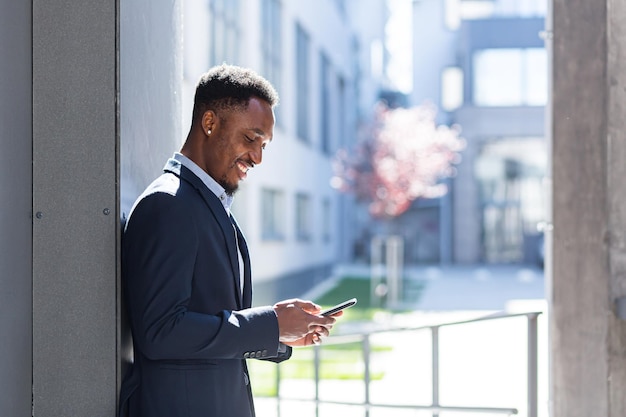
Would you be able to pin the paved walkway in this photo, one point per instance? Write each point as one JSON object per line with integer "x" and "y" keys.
{"x": 477, "y": 287}
{"x": 462, "y": 287}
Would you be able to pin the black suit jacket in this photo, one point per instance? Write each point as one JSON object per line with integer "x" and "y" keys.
{"x": 192, "y": 327}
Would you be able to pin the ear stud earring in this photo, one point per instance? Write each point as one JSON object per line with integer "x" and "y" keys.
{"x": 208, "y": 132}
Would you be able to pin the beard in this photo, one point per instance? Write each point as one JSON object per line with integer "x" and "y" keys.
{"x": 229, "y": 189}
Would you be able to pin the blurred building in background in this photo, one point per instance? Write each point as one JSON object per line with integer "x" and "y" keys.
{"x": 484, "y": 64}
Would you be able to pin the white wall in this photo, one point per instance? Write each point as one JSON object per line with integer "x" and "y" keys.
{"x": 150, "y": 92}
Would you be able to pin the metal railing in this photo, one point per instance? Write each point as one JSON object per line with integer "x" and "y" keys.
{"x": 435, "y": 407}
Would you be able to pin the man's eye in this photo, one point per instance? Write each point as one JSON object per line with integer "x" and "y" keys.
{"x": 248, "y": 139}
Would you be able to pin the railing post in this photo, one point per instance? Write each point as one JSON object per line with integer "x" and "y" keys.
{"x": 435, "y": 359}
{"x": 367, "y": 376}
{"x": 394, "y": 256}
{"x": 532, "y": 365}
{"x": 278, "y": 401}
{"x": 316, "y": 362}
{"x": 376, "y": 271}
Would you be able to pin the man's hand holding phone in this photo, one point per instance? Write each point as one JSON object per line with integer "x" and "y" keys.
{"x": 302, "y": 323}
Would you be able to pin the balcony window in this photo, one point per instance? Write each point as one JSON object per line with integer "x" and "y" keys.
{"x": 303, "y": 217}
{"x": 302, "y": 83}
{"x": 272, "y": 214}
{"x": 510, "y": 77}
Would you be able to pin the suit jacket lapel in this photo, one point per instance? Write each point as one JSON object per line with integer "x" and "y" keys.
{"x": 217, "y": 209}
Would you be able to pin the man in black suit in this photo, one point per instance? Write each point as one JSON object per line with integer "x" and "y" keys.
{"x": 186, "y": 269}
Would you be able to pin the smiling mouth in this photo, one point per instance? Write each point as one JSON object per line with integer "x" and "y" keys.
{"x": 244, "y": 167}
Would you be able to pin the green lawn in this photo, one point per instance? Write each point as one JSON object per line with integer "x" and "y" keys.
{"x": 359, "y": 287}
{"x": 339, "y": 362}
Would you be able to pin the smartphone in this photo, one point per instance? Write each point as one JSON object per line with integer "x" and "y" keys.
{"x": 339, "y": 307}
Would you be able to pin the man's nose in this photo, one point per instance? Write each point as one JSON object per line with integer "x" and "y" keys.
{"x": 256, "y": 155}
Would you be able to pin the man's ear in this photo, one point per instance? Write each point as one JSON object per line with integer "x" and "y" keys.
{"x": 208, "y": 121}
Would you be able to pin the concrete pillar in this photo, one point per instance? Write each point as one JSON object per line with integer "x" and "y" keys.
{"x": 75, "y": 200}
{"x": 588, "y": 340}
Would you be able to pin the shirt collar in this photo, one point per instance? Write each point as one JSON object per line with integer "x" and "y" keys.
{"x": 211, "y": 184}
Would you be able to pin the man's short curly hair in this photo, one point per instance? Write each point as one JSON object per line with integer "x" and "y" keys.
{"x": 226, "y": 87}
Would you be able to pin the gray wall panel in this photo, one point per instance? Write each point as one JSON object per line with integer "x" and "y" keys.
{"x": 15, "y": 211}
{"x": 74, "y": 184}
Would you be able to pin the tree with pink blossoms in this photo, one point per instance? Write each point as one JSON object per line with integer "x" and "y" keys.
{"x": 403, "y": 156}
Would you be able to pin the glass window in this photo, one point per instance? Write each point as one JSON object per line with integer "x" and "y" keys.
{"x": 272, "y": 214}
{"x": 510, "y": 174}
{"x": 536, "y": 63}
{"x": 341, "y": 113}
{"x": 302, "y": 83}
{"x": 325, "y": 121}
{"x": 303, "y": 217}
{"x": 271, "y": 47}
{"x": 510, "y": 77}
{"x": 326, "y": 220}
{"x": 226, "y": 31}
{"x": 451, "y": 88}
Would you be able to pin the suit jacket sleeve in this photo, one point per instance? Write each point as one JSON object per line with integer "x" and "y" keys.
{"x": 161, "y": 247}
